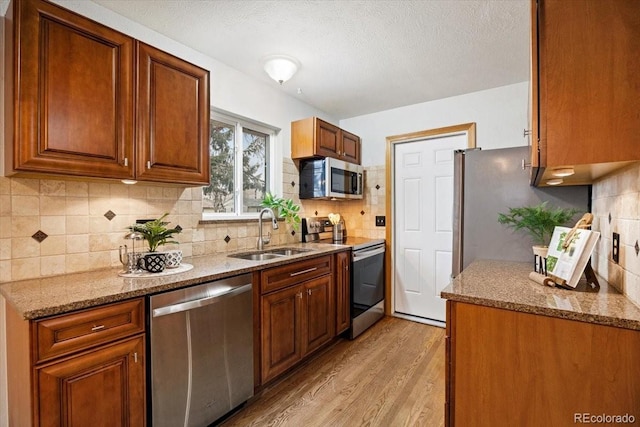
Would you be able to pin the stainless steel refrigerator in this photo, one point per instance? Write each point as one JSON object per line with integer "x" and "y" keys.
{"x": 487, "y": 182}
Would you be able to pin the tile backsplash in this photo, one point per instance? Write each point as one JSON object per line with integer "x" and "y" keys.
{"x": 50, "y": 226}
{"x": 616, "y": 207}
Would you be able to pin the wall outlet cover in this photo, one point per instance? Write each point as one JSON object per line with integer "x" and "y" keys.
{"x": 380, "y": 221}
{"x": 615, "y": 249}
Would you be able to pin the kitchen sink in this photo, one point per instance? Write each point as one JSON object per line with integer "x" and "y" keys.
{"x": 269, "y": 254}
{"x": 256, "y": 256}
{"x": 288, "y": 251}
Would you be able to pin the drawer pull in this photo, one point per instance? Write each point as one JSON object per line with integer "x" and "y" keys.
{"x": 308, "y": 270}
{"x": 97, "y": 328}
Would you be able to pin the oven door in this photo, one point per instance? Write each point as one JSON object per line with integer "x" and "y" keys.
{"x": 367, "y": 280}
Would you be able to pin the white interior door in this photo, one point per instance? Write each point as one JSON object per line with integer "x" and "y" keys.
{"x": 423, "y": 220}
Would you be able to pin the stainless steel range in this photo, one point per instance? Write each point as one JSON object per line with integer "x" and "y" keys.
{"x": 367, "y": 271}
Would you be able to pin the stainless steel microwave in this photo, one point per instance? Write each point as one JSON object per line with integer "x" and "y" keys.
{"x": 330, "y": 178}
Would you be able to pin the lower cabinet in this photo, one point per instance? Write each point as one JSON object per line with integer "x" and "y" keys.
{"x": 87, "y": 368}
{"x": 104, "y": 387}
{"x": 507, "y": 368}
{"x": 296, "y": 319}
{"x": 343, "y": 291}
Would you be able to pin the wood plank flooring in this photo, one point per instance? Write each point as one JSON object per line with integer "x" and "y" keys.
{"x": 392, "y": 375}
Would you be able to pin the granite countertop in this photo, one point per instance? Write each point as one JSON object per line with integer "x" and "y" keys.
{"x": 37, "y": 298}
{"x": 506, "y": 285}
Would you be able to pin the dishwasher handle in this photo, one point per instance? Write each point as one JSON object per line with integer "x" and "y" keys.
{"x": 190, "y": 305}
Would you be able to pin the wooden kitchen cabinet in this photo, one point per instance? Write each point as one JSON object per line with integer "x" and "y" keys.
{"x": 343, "y": 298}
{"x": 69, "y": 89}
{"x": 297, "y": 315}
{"x": 313, "y": 137}
{"x": 172, "y": 118}
{"x": 510, "y": 368}
{"x": 85, "y": 368}
{"x": 585, "y": 83}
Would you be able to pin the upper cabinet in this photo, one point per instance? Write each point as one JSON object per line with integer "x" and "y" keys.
{"x": 313, "y": 137}
{"x": 72, "y": 110}
{"x": 585, "y": 85}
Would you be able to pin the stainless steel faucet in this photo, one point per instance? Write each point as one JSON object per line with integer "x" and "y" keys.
{"x": 262, "y": 240}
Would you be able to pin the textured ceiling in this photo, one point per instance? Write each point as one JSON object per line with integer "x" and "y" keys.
{"x": 356, "y": 57}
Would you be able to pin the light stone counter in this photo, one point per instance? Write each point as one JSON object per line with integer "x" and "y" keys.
{"x": 37, "y": 298}
{"x": 506, "y": 285}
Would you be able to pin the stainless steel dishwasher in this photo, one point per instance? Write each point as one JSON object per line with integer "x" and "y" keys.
{"x": 201, "y": 341}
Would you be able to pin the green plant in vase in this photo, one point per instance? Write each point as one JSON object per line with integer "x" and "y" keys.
{"x": 284, "y": 208}
{"x": 156, "y": 232}
{"x": 538, "y": 221}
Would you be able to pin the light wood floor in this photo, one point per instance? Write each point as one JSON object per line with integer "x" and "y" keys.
{"x": 392, "y": 375}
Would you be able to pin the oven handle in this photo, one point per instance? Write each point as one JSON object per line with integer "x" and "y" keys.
{"x": 358, "y": 256}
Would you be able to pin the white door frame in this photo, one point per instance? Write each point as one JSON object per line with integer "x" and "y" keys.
{"x": 470, "y": 130}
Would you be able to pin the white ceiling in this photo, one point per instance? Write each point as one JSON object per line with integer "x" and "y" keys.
{"x": 356, "y": 57}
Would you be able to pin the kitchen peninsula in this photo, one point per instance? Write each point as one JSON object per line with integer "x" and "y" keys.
{"x": 520, "y": 353}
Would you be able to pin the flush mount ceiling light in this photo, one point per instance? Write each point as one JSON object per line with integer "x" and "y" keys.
{"x": 563, "y": 172}
{"x": 556, "y": 181}
{"x": 280, "y": 67}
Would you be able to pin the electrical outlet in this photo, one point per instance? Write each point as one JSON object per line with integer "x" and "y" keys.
{"x": 615, "y": 249}
{"x": 380, "y": 221}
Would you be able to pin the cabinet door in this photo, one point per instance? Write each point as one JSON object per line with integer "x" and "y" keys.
{"x": 172, "y": 119}
{"x": 280, "y": 330}
{"x": 72, "y": 94}
{"x": 104, "y": 387}
{"x": 588, "y": 81}
{"x": 319, "y": 314}
{"x": 350, "y": 147}
{"x": 343, "y": 299}
{"x": 327, "y": 139}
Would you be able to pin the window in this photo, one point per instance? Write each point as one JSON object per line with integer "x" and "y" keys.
{"x": 244, "y": 165}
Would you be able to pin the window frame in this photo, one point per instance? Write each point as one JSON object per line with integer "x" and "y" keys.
{"x": 273, "y": 157}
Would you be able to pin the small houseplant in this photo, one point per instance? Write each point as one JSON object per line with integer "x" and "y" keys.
{"x": 156, "y": 233}
{"x": 284, "y": 208}
{"x": 539, "y": 221}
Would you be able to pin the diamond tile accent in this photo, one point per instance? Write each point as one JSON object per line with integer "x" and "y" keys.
{"x": 227, "y": 239}
{"x": 177, "y": 227}
{"x": 316, "y": 213}
{"x": 609, "y": 217}
{"x": 293, "y": 184}
{"x": 39, "y": 236}
{"x": 109, "y": 215}
{"x": 293, "y": 232}
{"x": 637, "y": 248}
{"x": 377, "y": 187}
{"x": 361, "y": 212}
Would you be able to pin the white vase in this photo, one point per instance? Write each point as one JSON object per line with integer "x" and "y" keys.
{"x": 540, "y": 250}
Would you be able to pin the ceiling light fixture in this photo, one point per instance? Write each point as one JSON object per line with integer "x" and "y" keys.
{"x": 280, "y": 67}
{"x": 562, "y": 172}
{"x": 556, "y": 181}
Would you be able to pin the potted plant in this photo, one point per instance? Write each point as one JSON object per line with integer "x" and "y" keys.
{"x": 156, "y": 232}
{"x": 284, "y": 208}
{"x": 539, "y": 221}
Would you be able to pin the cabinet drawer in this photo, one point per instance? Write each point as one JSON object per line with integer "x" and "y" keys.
{"x": 72, "y": 332}
{"x": 290, "y": 274}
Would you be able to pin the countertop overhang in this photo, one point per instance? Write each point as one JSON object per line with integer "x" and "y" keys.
{"x": 37, "y": 298}
{"x": 506, "y": 285}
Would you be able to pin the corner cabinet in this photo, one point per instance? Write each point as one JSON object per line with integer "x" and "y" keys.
{"x": 343, "y": 291}
{"x": 585, "y": 85}
{"x": 297, "y": 312}
{"x": 313, "y": 137}
{"x": 84, "y": 366}
{"x": 71, "y": 107}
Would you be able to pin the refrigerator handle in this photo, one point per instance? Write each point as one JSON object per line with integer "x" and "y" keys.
{"x": 458, "y": 211}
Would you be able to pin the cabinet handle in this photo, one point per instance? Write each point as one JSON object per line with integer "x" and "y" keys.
{"x": 309, "y": 291}
{"x": 299, "y": 294}
{"x": 148, "y": 164}
{"x": 97, "y": 328}
{"x": 135, "y": 357}
{"x": 126, "y": 161}
{"x": 308, "y": 270}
